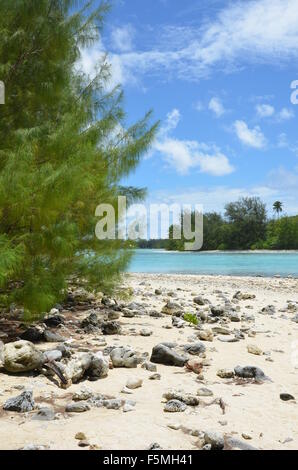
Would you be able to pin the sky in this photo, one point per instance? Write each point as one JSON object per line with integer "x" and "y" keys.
{"x": 218, "y": 75}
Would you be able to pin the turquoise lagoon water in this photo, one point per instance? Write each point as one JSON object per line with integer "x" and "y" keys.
{"x": 224, "y": 263}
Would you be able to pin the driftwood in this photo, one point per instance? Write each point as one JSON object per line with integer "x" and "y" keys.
{"x": 54, "y": 367}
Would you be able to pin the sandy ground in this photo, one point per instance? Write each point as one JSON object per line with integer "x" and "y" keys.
{"x": 253, "y": 409}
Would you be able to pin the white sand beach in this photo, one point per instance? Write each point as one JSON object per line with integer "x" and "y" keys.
{"x": 252, "y": 412}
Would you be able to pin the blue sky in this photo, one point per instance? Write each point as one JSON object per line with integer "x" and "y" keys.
{"x": 217, "y": 74}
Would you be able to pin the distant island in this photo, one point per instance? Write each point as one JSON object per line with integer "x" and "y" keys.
{"x": 245, "y": 225}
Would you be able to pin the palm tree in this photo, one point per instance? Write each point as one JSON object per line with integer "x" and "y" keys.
{"x": 278, "y": 207}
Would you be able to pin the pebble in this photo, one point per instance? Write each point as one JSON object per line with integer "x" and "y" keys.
{"x": 225, "y": 373}
{"x": 84, "y": 443}
{"x": 134, "y": 383}
{"x": 77, "y": 407}
{"x": 128, "y": 407}
{"x": 204, "y": 392}
{"x": 175, "y": 406}
{"x": 112, "y": 404}
{"x": 145, "y": 332}
{"x": 82, "y": 395}
{"x": 35, "y": 447}
{"x": 205, "y": 335}
{"x": 126, "y": 391}
{"x": 228, "y": 339}
{"x": 221, "y": 330}
{"x": 155, "y": 377}
{"x": 195, "y": 349}
{"x": 181, "y": 396}
{"x": 154, "y": 446}
{"x": 162, "y": 354}
{"x": 250, "y": 372}
{"x": 149, "y": 366}
{"x": 22, "y": 403}
{"x": 215, "y": 439}
{"x": 253, "y": 349}
{"x": 44, "y": 414}
{"x": 286, "y": 397}
{"x": 124, "y": 357}
{"x": 199, "y": 300}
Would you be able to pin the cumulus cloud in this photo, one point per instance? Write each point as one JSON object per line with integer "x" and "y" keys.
{"x": 184, "y": 155}
{"x": 265, "y": 110}
{"x": 216, "y": 106}
{"x": 285, "y": 114}
{"x": 250, "y": 137}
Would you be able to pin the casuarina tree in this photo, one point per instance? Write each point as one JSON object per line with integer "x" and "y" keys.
{"x": 64, "y": 149}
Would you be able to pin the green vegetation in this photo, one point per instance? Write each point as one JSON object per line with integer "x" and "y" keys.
{"x": 64, "y": 148}
{"x": 278, "y": 207}
{"x": 191, "y": 318}
{"x": 244, "y": 226}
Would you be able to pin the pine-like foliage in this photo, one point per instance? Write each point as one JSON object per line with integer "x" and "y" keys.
{"x": 64, "y": 149}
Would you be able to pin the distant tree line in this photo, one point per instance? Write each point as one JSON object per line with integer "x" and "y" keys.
{"x": 243, "y": 226}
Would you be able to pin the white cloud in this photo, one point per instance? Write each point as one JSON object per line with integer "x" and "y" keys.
{"x": 285, "y": 114}
{"x": 236, "y": 37}
{"x": 265, "y": 110}
{"x": 216, "y": 106}
{"x": 184, "y": 155}
{"x": 215, "y": 198}
{"x": 92, "y": 57}
{"x": 172, "y": 121}
{"x": 212, "y": 198}
{"x": 216, "y": 164}
{"x": 122, "y": 38}
{"x": 250, "y": 137}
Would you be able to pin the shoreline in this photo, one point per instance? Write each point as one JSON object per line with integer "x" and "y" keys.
{"x": 211, "y": 276}
{"x": 218, "y": 251}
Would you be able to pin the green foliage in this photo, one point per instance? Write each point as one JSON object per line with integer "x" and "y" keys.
{"x": 64, "y": 148}
{"x": 245, "y": 226}
{"x": 152, "y": 244}
{"x": 191, "y": 318}
{"x": 213, "y": 231}
{"x": 247, "y": 223}
{"x": 278, "y": 207}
